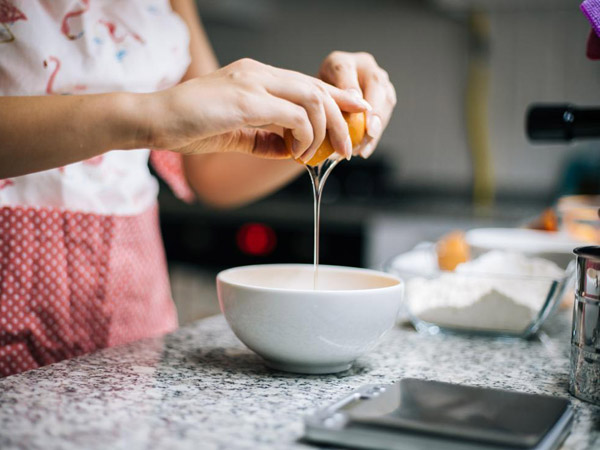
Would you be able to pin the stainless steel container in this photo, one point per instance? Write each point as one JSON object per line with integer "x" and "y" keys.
{"x": 584, "y": 380}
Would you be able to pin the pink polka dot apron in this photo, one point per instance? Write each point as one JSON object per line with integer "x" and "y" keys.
{"x": 82, "y": 266}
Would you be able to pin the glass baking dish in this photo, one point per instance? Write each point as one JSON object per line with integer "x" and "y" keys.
{"x": 497, "y": 303}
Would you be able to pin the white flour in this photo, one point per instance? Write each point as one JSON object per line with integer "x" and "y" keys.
{"x": 494, "y": 292}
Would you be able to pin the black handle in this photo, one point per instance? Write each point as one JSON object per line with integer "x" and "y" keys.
{"x": 554, "y": 122}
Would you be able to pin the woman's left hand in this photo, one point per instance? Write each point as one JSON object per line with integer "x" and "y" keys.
{"x": 360, "y": 72}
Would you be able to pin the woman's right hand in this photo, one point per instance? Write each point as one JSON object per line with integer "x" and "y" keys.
{"x": 233, "y": 109}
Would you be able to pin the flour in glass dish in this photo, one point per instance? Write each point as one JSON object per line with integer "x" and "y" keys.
{"x": 499, "y": 291}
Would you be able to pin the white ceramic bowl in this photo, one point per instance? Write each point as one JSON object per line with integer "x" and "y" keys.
{"x": 275, "y": 311}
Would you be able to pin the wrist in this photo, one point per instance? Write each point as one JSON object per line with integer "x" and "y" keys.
{"x": 135, "y": 120}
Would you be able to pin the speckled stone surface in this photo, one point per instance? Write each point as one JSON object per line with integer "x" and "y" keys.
{"x": 201, "y": 388}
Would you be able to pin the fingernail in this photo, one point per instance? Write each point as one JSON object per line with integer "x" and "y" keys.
{"x": 357, "y": 151}
{"x": 305, "y": 157}
{"x": 368, "y": 150}
{"x": 348, "y": 148}
{"x": 374, "y": 126}
{"x": 366, "y": 104}
{"x": 359, "y": 98}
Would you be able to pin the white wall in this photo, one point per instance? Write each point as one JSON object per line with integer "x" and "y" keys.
{"x": 535, "y": 56}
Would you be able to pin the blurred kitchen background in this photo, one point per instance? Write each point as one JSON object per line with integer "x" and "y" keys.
{"x": 454, "y": 156}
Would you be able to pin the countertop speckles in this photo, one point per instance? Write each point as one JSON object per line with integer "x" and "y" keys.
{"x": 201, "y": 388}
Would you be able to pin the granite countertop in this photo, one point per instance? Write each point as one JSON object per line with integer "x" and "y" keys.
{"x": 201, "y": 388}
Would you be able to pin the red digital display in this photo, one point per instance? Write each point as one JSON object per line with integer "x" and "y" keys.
{"x": 256, "y": 239}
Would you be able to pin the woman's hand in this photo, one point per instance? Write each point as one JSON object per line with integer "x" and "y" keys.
{"x": 360, "y": 73}
{"x": 230, "y": 110}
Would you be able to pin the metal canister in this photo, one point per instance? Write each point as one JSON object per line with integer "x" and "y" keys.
{"x": 584, "y": 380}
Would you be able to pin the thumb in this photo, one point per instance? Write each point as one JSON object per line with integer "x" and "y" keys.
{"x": 259, "y": 143}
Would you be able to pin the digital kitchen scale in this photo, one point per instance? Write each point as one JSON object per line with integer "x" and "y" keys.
{"x": 424, "y": 415}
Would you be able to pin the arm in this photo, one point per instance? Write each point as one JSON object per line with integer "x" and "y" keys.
{"x": 219, "y": 179}
{"x": 40, "y": 133}
{"x": 226, "y": 111}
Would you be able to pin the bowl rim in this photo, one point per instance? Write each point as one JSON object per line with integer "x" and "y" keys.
{"x": 399, "y": 282}
{"x": 388, "y": 267}
{"x": 556, "y": 242}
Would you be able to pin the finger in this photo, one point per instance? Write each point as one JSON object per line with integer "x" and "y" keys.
{"x": 337, "y": 129}
{"x": 350, "y": 101}
{"x": 286, "y": 114}
{"x": 269, "y": 145}
{"x": 347, "y": 100}
{"x": 260, "y": 143}
{"x": 375, "y": 90}
{"x": 311, "y": 98}
{"x": 318, "y": 119}
{"x": 367, "y": 147}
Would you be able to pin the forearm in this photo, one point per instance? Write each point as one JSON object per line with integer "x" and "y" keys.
{"x": 229, "y": 179}
{"x": 40, "y": 133}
